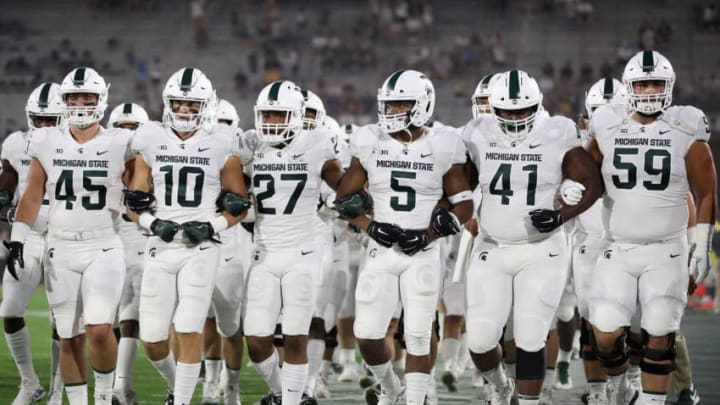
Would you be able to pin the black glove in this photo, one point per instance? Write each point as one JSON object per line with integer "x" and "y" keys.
{"x": 195, "y": 232}
{"x": 383, "y": 233}
{"x": 412, "y": 241}
{"x": 444, "y": 222}
{"x": 164, "y": 229}
{"x": 546, "y": 220}
{"x": 234, "y": 204}
{"x": 5, "y": 198}
{"x": 138, "y": 201}
{"x": 350, "y": 206}
{"x": 15, "y": 255}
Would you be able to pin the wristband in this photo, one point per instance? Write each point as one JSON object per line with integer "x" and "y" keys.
{"x": 466, "y": 195}
{"x": 219, "y": 223}
{"x": 146, "y": 219}
{"x": 19, "y": 232}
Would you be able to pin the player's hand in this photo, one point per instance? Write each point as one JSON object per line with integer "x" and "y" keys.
{"x": 14, "y": 257}
{"x": 195, "y": 232}
{"x": 571, "y": 192}
{"x": 5, "y": 198}
{"x": 234, "y": 204}
{"x": 444, "y": 222}
{"x": 699, "y": 262}
{"x": 412, "y": 241}
{"x": 138, "y": 201}
{"x": 546, "y": 220}
{"x": 350, "y": 206}
{"x": 164, "y": 229}
{"x": 383, "y": 233}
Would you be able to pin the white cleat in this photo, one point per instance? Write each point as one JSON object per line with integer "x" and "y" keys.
{"x": 103, "y": 398}
{"x": 122, "y": 398}
{"x": 211, "y": 393}
{"x": 389, "y": 399}
{"x": 477, "y": 379}
{"x": 597, "y": 399}
{"x": 502, "y": 395}
{"x": 232, "y": 395}
{"x": 546, "y": 395}
{"x": 321, "y": 387}
{"x": 30, "y": 391}
{"x": 349, "y": 373}
{"x": 626, "y": 397}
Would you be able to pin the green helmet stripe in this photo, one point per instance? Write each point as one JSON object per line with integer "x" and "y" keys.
{"x": 514, "y": 85}
{"x": 79, "y": 77}
{"x": 44, "y": 95}
{"x": 648, "y": 62}
{"x": 393, "y": 79}
{"x": 304, "y": 93}
{"x": 274, "y": 91}
{"x": 186, "y": 80}
{"x": 486, "y": 80}
{"x": 127, "y": 108}
{"x": 608, "y": 88}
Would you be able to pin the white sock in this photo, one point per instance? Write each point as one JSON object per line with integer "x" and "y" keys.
{"x": 496, "y": 376}
{"x": 77, "y": 394}
{"x": 597, "y": 387}
{"x": 652, "y": 399}
{"x": 293, "y": 378}
{"x": 619, "y": 381}
{"x": 166, "y": 368}
{"x": 563, "y": 356}
{"x": 186, "y": 377}
{"x": 315, "y": 349}
{"x": 576, "y": 340}
{"x": 270, "y": 372}
{"x": 387, "y": 377}
{"x": 233, "y": 376}
{"x": 19, "y": 345}
{"x": 55, "y": 377}
{"x": 510, "y": 368}
{"x": 212, "y": 369}
{"x": 126, "y": 355}
{"x": 448, "y": 349}
{"x": 548, "y": 381}
{"x": 528, "y": 400}
{"x": 633, "y": 371}
{"x": 416, "y": 387}
{"x": 399, "y": 365}
{"x": 464, "y": 359}
{"x": 347, "y": 356}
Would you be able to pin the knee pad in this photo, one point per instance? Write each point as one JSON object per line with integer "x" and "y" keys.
{"x": 482, "y": 335}
{"x": 227, "y": 327}
{"x": 565, "y": 313}
{"x": 530, "y": 333}
{"x": 418, "y": 344}
{"x": 617, "y": 356}
{"x": 530, "y": 365}
{"x": 331, "y": 338}
{"x": 658, "y": 355}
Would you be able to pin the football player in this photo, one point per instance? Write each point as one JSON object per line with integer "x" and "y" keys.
{"x": 408, "y": 167}
{"x": 288, "y": 167}
{"x": 129, "y": 116}
{"x": 81, "y": 166}
{"x": 44, "y": 108}
{"x": 521, "y": 158}
{"x": 194, "y": 168}
{"x": 651, "y": 155}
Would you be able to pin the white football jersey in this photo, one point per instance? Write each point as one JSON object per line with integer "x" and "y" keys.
{"x": 286, "y": 185}
{"x": 406, "y": 180}
{"x": 516, "y": 177}
{"x": 15, "y": 151}
{"x": 186, "y": 173}
{"x": 84, "y": 181}
{"x": 644, "y": 171}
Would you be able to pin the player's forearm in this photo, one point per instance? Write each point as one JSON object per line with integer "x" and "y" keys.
{"x": 463, "y": 210}
{"x": 706, "y": 206}
{"x": 29, "y": 206}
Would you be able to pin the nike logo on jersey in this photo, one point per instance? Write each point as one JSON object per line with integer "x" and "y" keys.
{"x": 140, "y": 253}
{"x": 424, "y": 155}
{"x": 426, "y": 249}
{"x": 553, "y": 255}
{"x": 299, "y": 155}
{"x": 306, "y": 253}
{"x": 107, "y": 249}
{"x": 202, "y": 149}
{"x": 672, "y": 256}
{"x": 535, "y": 146}
{"x": 102, "y": 153}
{"x": 227, "y": 259}
{"x": 664, "y": 132}
{"x": 204, "y": 247}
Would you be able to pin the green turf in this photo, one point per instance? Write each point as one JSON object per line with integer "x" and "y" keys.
{"x": 148, "y": 384}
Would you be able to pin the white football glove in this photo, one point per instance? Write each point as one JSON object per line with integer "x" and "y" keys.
{"x": 571, "y": 192}
{"x": 700, "y": 251}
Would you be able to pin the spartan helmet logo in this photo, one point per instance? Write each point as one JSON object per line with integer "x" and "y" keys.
{"x": 372, "y": 252}
{"x": 607, "y": 254}
{"x": 483, "y": 255}
{"x": 583, "y": 248}
{"x": 51, "y": 253}
{"x": 152, "y": 251}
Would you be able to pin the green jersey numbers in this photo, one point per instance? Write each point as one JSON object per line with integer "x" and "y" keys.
{"x": 187, "y": 190}
{"x": 502, "y": 186}
{"x": 65, "y": 189}
{"x": 405, "y": 201}
{"x": 656, "y": 164}
{"x": 266, "y": 181}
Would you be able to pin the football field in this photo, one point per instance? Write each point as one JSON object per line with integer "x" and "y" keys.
{"x": 701, "y": 329}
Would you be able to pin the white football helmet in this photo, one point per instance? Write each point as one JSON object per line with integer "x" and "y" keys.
{"x": 331, "y": 124}
{"x": 605, "y": 91}
{"x": 226, "y": 112}
{"x": 313, "y": 103}
{"x": 127, "y": 113}
{"x": 515, "y": 90}
{"x": 284, "y": 97}
{"x": 188, "y": 84}
{"x": 84, "y": 80}
{"x": 649, "y": 65}
{"x": 482, "y": 91}
{"x": 406, "y": 85}
{"x": 44, "y": 102}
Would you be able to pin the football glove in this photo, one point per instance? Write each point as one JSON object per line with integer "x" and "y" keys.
{"x": 571, "y": 192}
{"x": 699, "y": 265}
{"x": 233, "y": 203}
{"x": 195, "y": 232}
{"x": 444, "y": 222}
{"x": 14, "y": 257}
{"x": 546, "y": 220}
{"x": 138, "y": 201}
{"x": 383, "y": 233}
{"x": 5, "y": 198}
{"x": 164, "y": 229}
{"x": 412, "y": 241}
{"x": 350, "y": 206}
